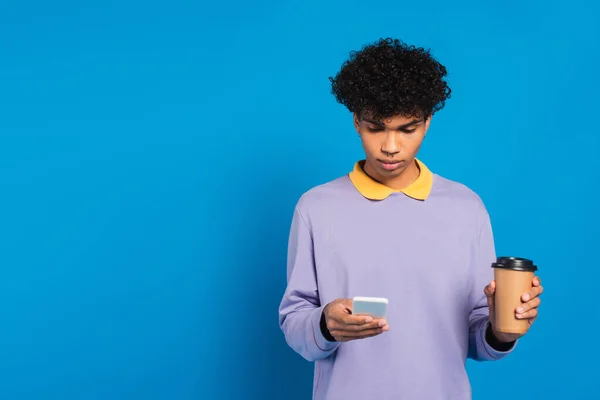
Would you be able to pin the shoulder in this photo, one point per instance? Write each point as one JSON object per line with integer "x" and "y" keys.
{"x": 328, "y": 192}
{"x": 323, "y": 198}
{"x": 458, "y": 197}
{"x": 454, "y": 190}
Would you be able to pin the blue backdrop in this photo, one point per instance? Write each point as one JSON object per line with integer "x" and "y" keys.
{"x": 151, "y": 156}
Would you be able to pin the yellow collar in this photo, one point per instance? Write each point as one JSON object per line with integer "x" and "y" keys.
{"x": 374, "y": 190}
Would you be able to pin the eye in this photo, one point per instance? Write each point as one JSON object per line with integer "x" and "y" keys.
{"x": 409, "y": 130}
{"x": 374, "y": 129}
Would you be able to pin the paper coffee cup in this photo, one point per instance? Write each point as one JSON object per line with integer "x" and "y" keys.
{"x": 514, "y": 277}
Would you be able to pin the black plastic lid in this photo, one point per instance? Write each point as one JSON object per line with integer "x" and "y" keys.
{"x": 514, "y": 263}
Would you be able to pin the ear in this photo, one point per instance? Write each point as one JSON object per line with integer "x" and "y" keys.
{"x": 356, "y": 123}
{"x": 427, "y": 123}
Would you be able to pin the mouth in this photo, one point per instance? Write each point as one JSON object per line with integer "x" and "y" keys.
{"x": 390, "y": 165}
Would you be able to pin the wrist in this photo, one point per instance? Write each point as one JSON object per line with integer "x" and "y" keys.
{"x": 323, "y": 327}
{"x": 497, "y": 341}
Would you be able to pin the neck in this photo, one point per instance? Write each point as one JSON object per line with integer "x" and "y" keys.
{"x": 399, "y": 182}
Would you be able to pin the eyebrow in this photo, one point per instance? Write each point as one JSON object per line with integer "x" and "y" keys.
{"x": 408, "y": 125}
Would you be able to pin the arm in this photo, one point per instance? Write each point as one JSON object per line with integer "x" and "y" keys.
{"x": 483, "y": 345}
{"x": 300, "y": 310}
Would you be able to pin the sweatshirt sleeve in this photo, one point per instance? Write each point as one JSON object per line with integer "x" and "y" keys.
{"x": 300, "y": 309}
{"x": 484, "y": 255}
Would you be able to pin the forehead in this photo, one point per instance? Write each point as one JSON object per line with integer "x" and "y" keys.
{"x": 392, "y": 122}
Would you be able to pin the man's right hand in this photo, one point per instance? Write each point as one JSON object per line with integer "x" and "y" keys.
{"x": 344, "y": 326}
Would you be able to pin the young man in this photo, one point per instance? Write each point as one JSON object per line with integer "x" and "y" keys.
{"x": 391, "y": 228}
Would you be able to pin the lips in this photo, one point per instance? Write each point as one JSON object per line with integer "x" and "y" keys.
{"x": 390, "y": 165}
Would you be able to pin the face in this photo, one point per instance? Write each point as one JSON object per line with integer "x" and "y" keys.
{"x": 391, "y": 145}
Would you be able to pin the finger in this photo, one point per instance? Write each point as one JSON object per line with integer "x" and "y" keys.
{"x": 535, "y": 303}
{"x": 343, "y": 314}
{"x": 349, "y": 319}
{"x": 533, "y": 313}
{"x": 536, "y": 291}
{"x": 365, "y": 336}
{"x": 537, "y": 281}
{"x": 489, "y": 292}
{"x": 349, "y": 335}
{"x": 335, "y": 325}
{"x": 490, "y": 289}
{"x": 361, "y": 334}
{"x": 344, "y": 306}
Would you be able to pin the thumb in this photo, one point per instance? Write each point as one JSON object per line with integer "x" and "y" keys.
{"x": 490, "y": 289}
{"x": 345, "y": 304}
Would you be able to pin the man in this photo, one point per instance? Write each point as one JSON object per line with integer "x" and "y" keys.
{"x": 392, "y": 228}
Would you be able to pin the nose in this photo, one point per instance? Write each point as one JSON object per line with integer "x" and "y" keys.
{"x": 390, "y": 145}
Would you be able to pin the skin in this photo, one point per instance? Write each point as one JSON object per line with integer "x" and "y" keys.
{"x": 344, "y": 326}
{"x": 398, "y": 139}
{"x": 528, "y": 310}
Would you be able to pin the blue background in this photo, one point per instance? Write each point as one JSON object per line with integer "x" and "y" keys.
{"x": 151, "y": 156}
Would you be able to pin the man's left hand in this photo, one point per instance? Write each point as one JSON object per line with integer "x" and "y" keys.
{"x": 528, "y": 310}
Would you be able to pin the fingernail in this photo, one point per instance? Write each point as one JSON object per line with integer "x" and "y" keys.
{"x": 368, "y": 320}
{"x": 519, "y": 316}
{"x": 526, "y": 297}
{"x": 382, "y": 323}
{"x": 520, "y": 310}
{"x": 386, "y": 328}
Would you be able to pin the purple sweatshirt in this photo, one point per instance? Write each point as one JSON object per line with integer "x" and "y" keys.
{"x": 428, "y": 249}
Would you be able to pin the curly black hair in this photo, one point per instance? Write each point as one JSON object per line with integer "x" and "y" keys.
{"x": 390, "y": 78}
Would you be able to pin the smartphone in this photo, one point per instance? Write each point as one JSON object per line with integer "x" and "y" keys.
{"x": 376, "y": 307}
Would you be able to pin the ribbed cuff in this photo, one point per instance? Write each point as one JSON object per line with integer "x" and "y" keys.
{"x": 324, "y": 330}
{"x": 494, "y": 343}
{"x": 322, "y": 342}
{"x": 492, "y": 346}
